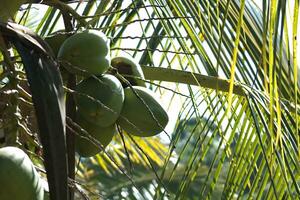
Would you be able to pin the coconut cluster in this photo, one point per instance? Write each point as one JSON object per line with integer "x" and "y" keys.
{"x": 107, "y": 98}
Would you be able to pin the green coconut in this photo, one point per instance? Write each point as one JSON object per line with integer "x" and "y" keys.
{"x": 86, "y": 53}
{"x": 104, "y": 135}
{"x": 128, "y": 66}
{"x": 108, "y": 97}
{"x": 18, "y": 178}
{"x": 136, "y": 117}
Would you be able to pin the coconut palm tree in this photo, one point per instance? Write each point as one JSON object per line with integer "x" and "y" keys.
{"x": 225, "y": 71}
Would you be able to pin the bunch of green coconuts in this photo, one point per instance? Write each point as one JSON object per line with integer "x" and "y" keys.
{"x": 102, "y": 102}
{"x": 102, "y": 99}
